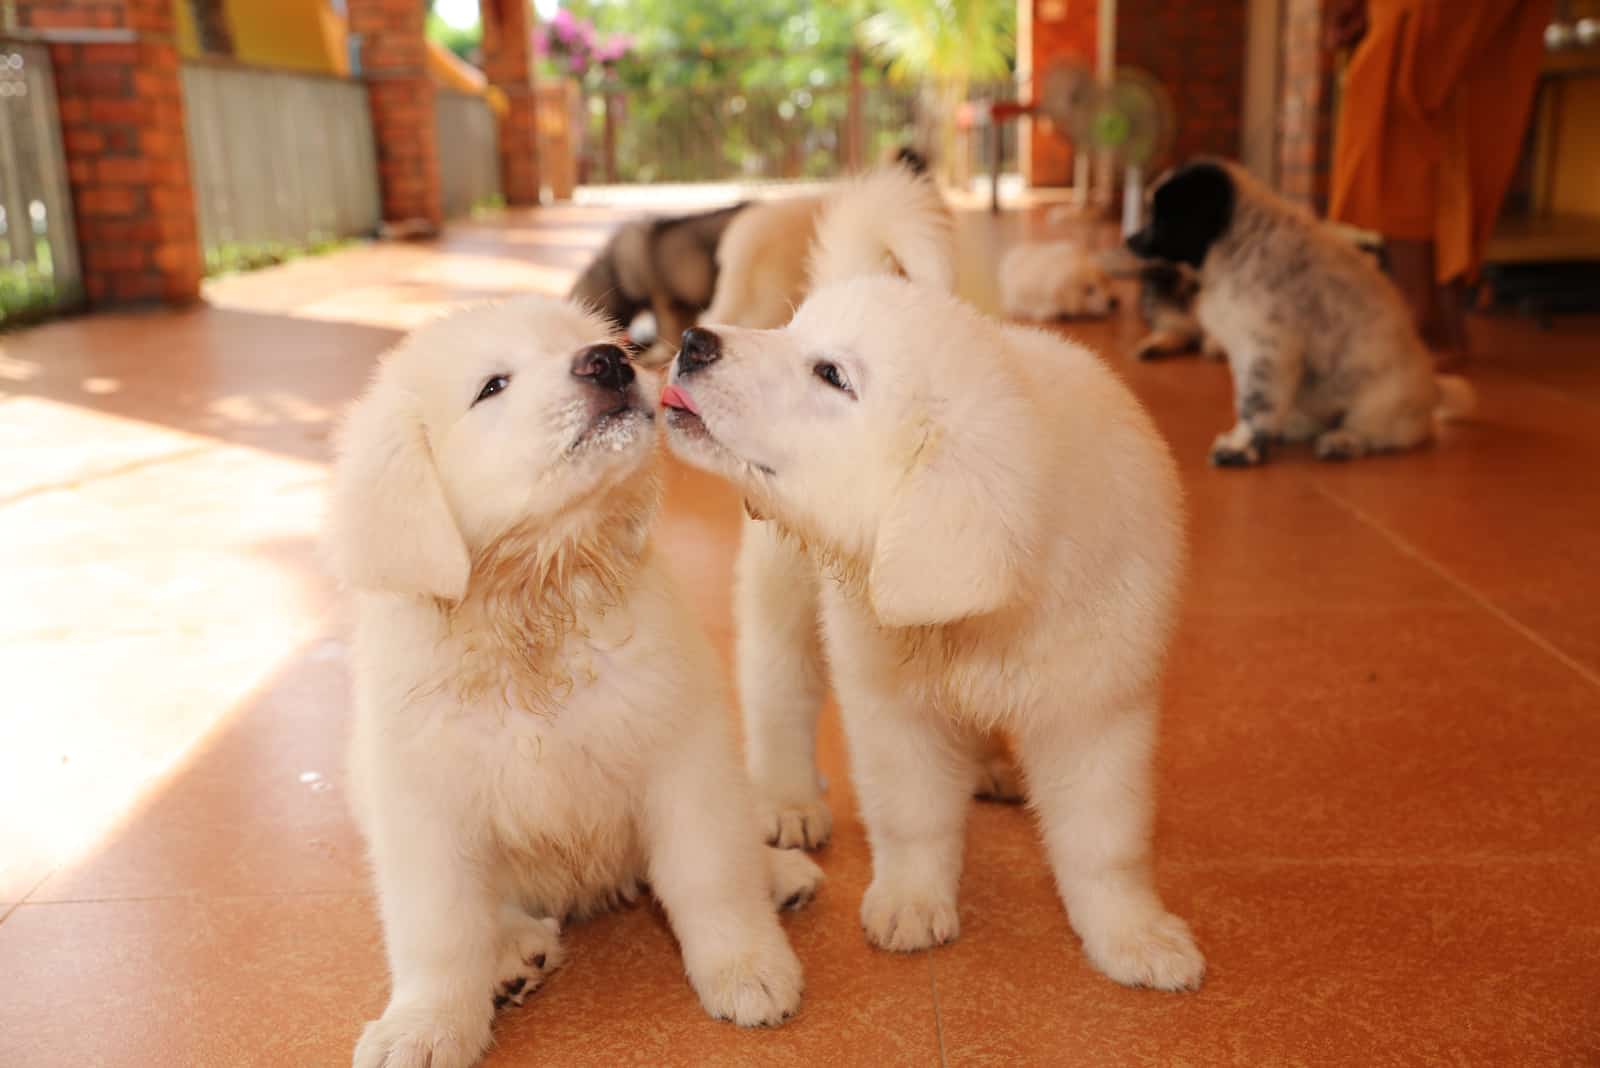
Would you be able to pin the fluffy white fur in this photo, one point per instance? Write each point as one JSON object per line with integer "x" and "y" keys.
{"x": 1001, "y": 529}
{"x": 539, "y": 724}
{"x": 770, "y": 258}
{"x": 1052, "y": 280}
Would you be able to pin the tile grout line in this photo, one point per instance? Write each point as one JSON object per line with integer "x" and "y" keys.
{"x": 938, "y": 1022}
{"x": 1462, "y": 587}
{"x": 78, "y": 482}
{"x": 23, "y": 900}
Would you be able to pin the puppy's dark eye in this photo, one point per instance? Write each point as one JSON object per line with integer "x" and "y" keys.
{"x": 830, "y": 373}
{"x": 492, "y": 386}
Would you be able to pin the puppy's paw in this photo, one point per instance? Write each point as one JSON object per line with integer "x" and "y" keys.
{"x": 793, "y": 878}
{"x": 1236, "y": 449}
{"x": 423, "y": 1037}
{"x": 804, "y": 824}
{"x": 1339, "y": 445}
{"x": 756, "y": 987}
{"x": 1157, "y": 952}
{"x": 1000, "y": 780}
{"x": 533, "y": 950}
{"x": 905, "y": 921}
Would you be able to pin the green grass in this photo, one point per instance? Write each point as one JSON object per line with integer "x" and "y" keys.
{"x": 230, "y": 257}
{"x": 488, "y": 205}
{"x": 28, "y": 291}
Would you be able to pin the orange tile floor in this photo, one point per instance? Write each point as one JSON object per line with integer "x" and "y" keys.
{"x": 1380, "y": 762}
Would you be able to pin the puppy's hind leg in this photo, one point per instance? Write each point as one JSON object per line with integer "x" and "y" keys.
{"x": 1094, "y": 798}
{"x": 999, "y": 779}
{"x": 781, "y": 681}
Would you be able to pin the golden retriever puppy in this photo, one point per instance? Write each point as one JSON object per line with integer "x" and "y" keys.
{"x": 782, "y": 676}
{"x": 1047, "y": 280}
{"x": 539, "y": 722}
{"x": 1001, "y": 530}
{"x": 1320, "y": 344}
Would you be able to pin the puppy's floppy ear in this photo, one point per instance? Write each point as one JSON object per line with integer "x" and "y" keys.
{"x": 962, "y": 528}
{"x": 389, "y": 525}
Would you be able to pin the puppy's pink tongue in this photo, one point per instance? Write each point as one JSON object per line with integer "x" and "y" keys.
{"x": 673, "y": 397}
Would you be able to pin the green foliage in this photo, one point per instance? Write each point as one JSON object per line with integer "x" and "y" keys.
{"x": 230, "y": 257}
{"x": 465, "y": 43}
{"x": 720, "y": 88}
{"x": 953, "y": 41}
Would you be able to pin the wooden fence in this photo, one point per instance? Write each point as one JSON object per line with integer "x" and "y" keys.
{"x": 469, "y": 155}
{"x": 280, "y": 159}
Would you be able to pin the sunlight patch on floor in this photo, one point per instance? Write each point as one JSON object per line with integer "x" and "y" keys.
{"x": 154, "y": 578}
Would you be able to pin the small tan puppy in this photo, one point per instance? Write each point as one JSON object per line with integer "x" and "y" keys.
{"x": 539, "y": 723}
{"x": 1002, "y": 533}
{"x": 1048, "y": 280}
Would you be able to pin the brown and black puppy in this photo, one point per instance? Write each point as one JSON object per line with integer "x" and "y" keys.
{"x": 664, "y": 266}
{"x": 1166, "y": 304}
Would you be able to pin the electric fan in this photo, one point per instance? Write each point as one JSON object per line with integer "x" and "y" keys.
{"x": 1125, "y": 121}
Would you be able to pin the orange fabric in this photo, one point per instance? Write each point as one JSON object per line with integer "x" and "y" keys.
{"x": 1436, "y": 99}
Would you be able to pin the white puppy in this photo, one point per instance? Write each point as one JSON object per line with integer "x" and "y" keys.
{"x": 1001, "y": 527}
{"x": 1053, "y": 280}
{"x": 539, "y": 722}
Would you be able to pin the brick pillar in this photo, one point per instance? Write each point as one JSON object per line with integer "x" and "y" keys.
{"x": 508, "y": 64}
{"x": 116, "y": 70}
{"x": 394, "y": 63}
{"x": 1056, "y": 31}
{"x": 1305, "y": 140}
{"x": 1196, "y": 50}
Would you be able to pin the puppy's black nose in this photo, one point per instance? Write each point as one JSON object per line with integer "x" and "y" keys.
{"x": 699, "y": 348}
{"x": 605, "y": 365}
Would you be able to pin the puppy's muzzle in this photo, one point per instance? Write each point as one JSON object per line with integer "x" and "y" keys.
{"x": 700, "y": 349}
{"x": 605, "y": 366}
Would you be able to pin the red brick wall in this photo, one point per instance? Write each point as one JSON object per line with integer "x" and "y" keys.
{"x": 394, "y": 64}
{"x": 1305, "y": 136}
{"x": 127, "y": 156}
{"x": 1196, "y": 49}
{"x": 1062, "y": 29}
{"x": 508, "y": 64}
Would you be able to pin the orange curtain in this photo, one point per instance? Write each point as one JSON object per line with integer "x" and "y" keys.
{"x": 1436, "y": 100}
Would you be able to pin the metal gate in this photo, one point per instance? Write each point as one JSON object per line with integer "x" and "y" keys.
{"x": 40, "y": 271}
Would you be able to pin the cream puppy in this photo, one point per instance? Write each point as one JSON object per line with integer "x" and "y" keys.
{"x": 539, "y": 725}
{"x": 1054, "y": 280}
{"x": 1001, "y": 531}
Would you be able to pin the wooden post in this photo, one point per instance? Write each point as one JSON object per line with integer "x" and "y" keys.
{"x": 854, "y": 132}
{"x": 609, "y": 146}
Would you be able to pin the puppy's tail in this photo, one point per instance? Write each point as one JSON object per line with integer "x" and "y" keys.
{"x": 888, "y": 222}
{"x": 1457, "y": 398}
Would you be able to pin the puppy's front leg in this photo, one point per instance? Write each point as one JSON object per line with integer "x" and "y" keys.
{"x": 1264, "y": 385}
{"x": 781, "y": 684}
{"x": 708, "y": 868}
{"x": 444, "y": 940}
{"x": 914, "y": 774}
{"x": 1095, "y": 803}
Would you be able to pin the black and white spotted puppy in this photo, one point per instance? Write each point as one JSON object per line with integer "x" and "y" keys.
{"x": 1167, "y": 293}
{"x": 1321, "y": 345}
